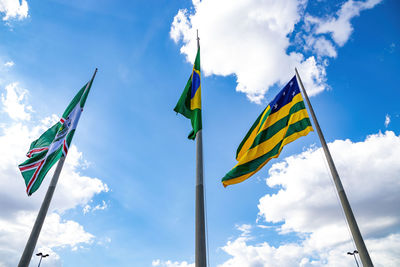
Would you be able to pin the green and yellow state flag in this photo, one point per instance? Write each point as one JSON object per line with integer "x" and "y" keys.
{"x": 52, "y": 144}
{"x": 189, "y": 104}
{"x": 284, "y": 120}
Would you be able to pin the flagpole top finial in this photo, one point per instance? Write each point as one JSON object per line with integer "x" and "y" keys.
{"x": 198, "y": 39}
{"x": 94, "y": 74}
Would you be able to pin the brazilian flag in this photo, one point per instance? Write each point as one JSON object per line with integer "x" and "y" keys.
{"x": 189, "y": 104}
{"x": 284, "y": 120}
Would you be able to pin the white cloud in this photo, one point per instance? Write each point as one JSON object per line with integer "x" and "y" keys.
{"x": 340, "y": 27}
{"x": 387, "y": 120}
{"x": 306, "y": 205}
{"x": 264, "y": 226}
{"x": 55, "y": 233}
{"x": 68, "y": 233}
{"x": 260, "y": 255}
{"x": 155, "y": 263}
{"x": 171, "y": 264}
{"x": 243, "y": 254}
{"x": 252, "y": 40}
{"x": 305, "y": 183}
{"x": 245, "y": 229}
{"x": 14, "y": 9}
{"x": 248, "y": 39}
{"x": 9, "y": 64}
{"x": 104, "y": 241}
{"x": 86, "y": 209}
{"x": 102, "y": 206}
{"x": 321, "y": 46}
{"x": 18, "y": 211}
{"x": 13, "y": 102}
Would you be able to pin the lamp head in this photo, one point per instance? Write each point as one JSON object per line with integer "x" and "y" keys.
{"x": 42, "y": 255}
{"x": 352, "y": 253}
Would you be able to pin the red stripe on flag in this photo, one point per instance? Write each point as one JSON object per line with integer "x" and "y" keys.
{"x": 36, "y": 150}
{"x": 65, "y": 148}
{"x": 33, "y": 179}
{"x": 29, "y": 166}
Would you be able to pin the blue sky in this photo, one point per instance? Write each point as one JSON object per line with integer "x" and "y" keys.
{"x": 126, "y": 195}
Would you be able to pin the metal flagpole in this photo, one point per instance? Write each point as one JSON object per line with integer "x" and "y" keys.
{"x": 200, "y": 247}
{"x": 355, "y": 231}
{"x": 31, "y": 244}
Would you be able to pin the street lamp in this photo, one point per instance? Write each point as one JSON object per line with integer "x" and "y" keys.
{"x": 41, "y": 256}
{"x": 354, "y": 254}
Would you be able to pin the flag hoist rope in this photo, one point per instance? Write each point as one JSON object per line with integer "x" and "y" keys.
{"x": 355, "y": 231}
{"x": 37, "y": 227}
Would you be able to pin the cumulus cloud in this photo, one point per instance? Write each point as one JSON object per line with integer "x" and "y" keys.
{"x": 339, "y": 26}
{"x": 368, "y": 171}
{"x": 306, "y": 205}
{"x": 252, "y": 40}
{"x": 248, "y": 39}
{"x": 14, "y": 102}
{"x": 55, "y": 233}
{"x": 18, "y": 211}
{"x": 14, "y": 9}
{"x": 321, "y": 46}
{"x": 244, "y": 254}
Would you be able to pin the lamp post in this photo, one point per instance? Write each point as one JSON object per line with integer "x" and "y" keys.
{"x": 41, "y": 256}
{"x": 354, "y": 254}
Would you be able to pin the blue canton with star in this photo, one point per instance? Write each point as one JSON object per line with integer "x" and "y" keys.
{"x": 285, "y": 95}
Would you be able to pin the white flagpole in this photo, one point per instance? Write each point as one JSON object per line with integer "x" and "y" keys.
{"x": 37, "y": 227}
{"x": 355, "y": 231}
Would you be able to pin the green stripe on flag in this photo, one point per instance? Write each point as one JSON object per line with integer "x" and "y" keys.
{"x": 277, "y": 126}
{"x": 298, "y": 126}
{"x": 251, "y": 166}
{"x": 284, "y": 121}
{"x": 253, "y": 128}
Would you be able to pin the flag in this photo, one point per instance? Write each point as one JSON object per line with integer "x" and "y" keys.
{"x": 52, "y": 144}
{"x": 189, "y": 104}
{"x": 284, "y": 120}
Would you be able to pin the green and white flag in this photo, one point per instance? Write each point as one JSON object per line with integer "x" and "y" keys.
{"x": 52, "y": 144}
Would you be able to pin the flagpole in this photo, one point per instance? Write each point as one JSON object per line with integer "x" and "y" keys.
{"x": 355, "y": 231}
{"x": 31, "y": 244}
{"x": 37, "y": 227}
{"x": 200, "y": 242}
